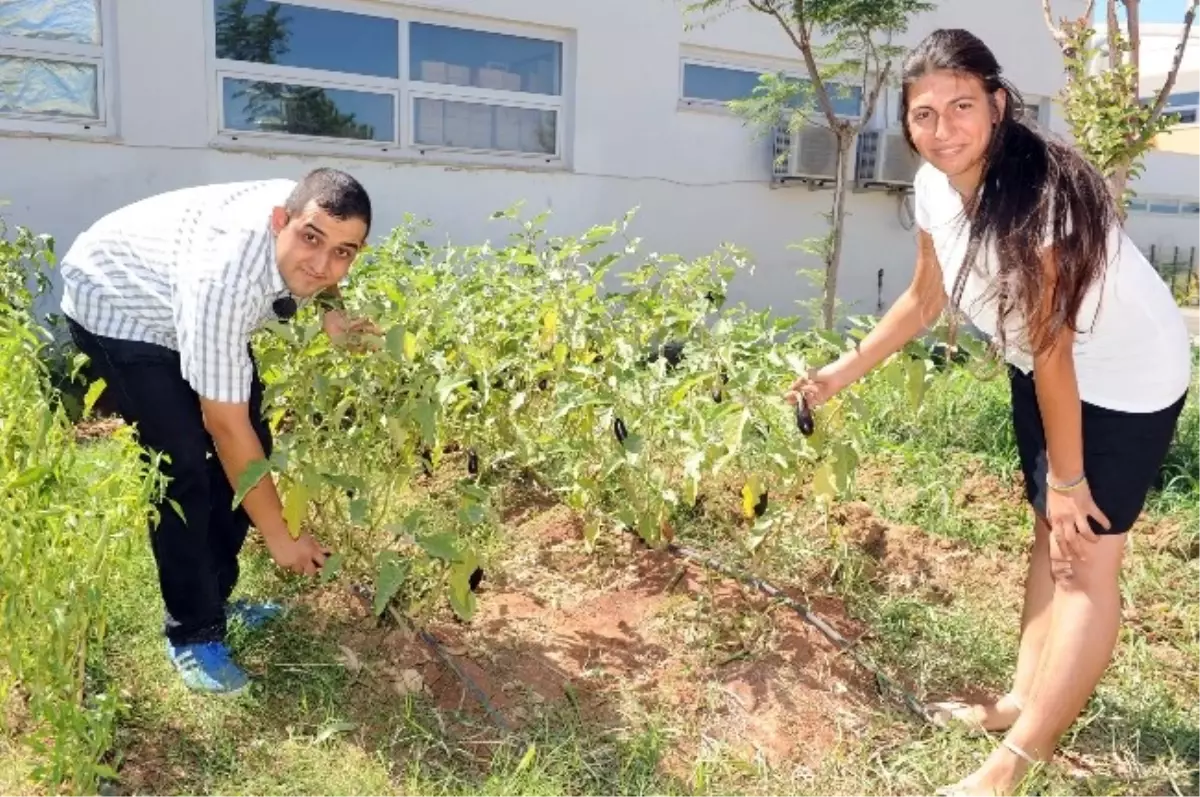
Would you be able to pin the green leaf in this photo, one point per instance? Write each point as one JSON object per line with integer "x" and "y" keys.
{"x": 916, "y": 382}
{"x": 759, "y": 533}
{"x": 476, "y": 492}
{"x": 30, "y": 476}
{"x": 392, "y": 572}
{"x": 447, "y": 385}
{"x": 441, "y": 546}
{"x": 394, "y": 342}
{"x": 462, "y": 600}
{"x": 250, "y": 477}
{"x": 332, "y": 566}
{"x": 332, "y": 729}
{"x": 472, "y": 514}
{"x": 426, "y": 414}
{"x": 295, "y": 507}
{"x": 360, "y": 508}
{"x": 591, "y": 530}
{"x": 527, "y": 759}
{"x": 92, "y": 396}
{"x": 823, "y": 486}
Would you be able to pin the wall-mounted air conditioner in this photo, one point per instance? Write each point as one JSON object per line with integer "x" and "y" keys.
{"x": 884, "y": 159}
{"x": 808, "y": 154}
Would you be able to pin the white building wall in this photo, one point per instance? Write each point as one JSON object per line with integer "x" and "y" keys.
{"x": 700, "y": 178}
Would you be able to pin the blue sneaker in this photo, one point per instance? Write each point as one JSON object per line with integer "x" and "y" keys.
{"x": 252, "y": 615}
{"x": 208, "y": 667}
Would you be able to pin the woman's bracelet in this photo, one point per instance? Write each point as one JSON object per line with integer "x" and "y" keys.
{"x": 1067, "y": 486}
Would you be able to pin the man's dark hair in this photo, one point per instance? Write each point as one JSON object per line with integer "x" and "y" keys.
{"x": 335, "y": 192}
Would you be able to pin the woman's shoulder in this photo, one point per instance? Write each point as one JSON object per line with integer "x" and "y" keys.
{"x": 927, "y": 177}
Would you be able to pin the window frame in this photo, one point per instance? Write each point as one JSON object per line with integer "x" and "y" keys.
{"x": 102, "y": 56}
{"x": 1169, "y": 109}
{"x": 1144, "y": 204}
{"x": 404, "y": 89}
{"x": 700, "y": 104}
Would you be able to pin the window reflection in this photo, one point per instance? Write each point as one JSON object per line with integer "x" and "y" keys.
{"x": 48, "y": 88}
{"x": 308, "y": 110}
{"x": 460, "y": 57}
{"x": 60, "y": 20}
{"x": 313, "y": 38}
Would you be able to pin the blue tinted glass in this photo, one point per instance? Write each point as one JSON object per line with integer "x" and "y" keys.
{"x": 1185, "y": 98}
{"x": 1164, "y": 207}
{"x": 308, "y": 111}
{"x": 1189, "y": 208}
{"x": 472, "y": 125}
{"x": 461, "y": 57}
{"x": 313, "y": 38}
{"x": 847, "y": 100}
{"x": 717, "y": 83}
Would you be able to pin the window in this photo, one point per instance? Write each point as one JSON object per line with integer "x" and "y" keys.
{"x": 1182, "y": 104}
{"x": 286, "y": 70}
{"x": 1164, "y": 206}
{"x": 705, "y": 84}
{"x": 52, "y": 66}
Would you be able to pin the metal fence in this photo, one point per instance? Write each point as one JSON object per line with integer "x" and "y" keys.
{"x": 1177, "y": 266}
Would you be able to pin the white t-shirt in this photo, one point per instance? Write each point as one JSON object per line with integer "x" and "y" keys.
{"x": 1132, "y": 351}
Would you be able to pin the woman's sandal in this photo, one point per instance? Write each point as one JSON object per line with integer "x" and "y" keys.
{"x": 961, "y": 788}
{"x": 946, "y": 714}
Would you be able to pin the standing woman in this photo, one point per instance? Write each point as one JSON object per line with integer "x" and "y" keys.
{"x": 1019, "y": 233}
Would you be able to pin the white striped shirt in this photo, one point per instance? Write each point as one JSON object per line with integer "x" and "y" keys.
{"x": 193, "y": 270}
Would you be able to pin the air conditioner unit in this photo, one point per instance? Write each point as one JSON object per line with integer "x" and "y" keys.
{"x": 809, "y": 153}
{"x": 884, "y": 159}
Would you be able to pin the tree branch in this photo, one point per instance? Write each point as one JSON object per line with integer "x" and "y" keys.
{"x": 1160, "y": 102}
{"x": 871, "y": 62}
{"x": 1055, "y": 30}
{"x": 869, "y": 102}
{"x": 1132, "y": 9}
{"x": 1114, "y": 30}
{"x": 803, "y": 43}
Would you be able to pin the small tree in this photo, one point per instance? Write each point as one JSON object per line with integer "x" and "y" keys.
{"x": 856, "y": 51}
{"x": 1111, "y": 125}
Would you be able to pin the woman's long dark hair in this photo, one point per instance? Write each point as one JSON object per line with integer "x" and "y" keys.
{"x": 1032, "y": 186}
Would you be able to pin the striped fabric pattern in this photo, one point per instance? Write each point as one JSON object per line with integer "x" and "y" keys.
{"x": 193, "y": 270}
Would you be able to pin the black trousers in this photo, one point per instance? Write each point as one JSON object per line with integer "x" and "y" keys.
{"x": 196, "y": 555}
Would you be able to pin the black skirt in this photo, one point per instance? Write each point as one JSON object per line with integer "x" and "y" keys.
{"x": 1122, "y": 452}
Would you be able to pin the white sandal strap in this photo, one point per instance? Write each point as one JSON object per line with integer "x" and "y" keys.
{"x": 1017, "y": 751}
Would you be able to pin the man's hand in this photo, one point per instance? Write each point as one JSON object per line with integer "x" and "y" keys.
{"x": 344, "y": 330}
{"x": 237, "y": 446}
{"x": 302, "y": 555}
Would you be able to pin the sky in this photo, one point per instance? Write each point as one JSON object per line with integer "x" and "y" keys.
{"x": 1150, "y": 11}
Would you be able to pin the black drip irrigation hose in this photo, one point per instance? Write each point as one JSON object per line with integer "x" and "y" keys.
{"x": 364, "y": 593}
{"x": 883, "y": 682}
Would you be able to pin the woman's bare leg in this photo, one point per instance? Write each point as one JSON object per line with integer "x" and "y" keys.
{"x": 1086, "y": 616}
{"x": 1035, "y": 625}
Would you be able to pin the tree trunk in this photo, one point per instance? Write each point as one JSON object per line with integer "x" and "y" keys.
{"x": 1116, "y": 183}
{"x": 845, "y": 162}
